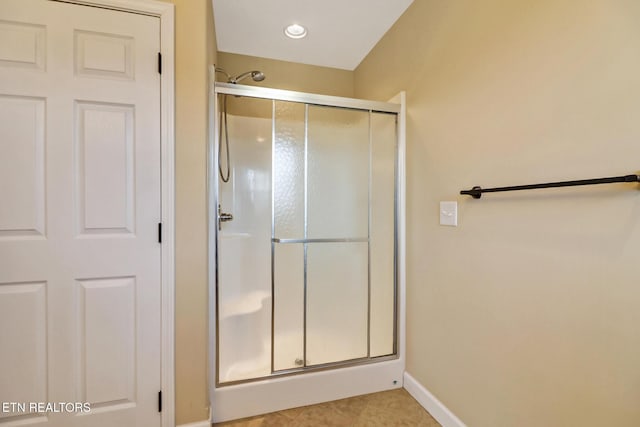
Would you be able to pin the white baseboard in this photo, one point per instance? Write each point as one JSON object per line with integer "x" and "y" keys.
{"x": 204, "y": 423}
{"x": 441, "y": 413}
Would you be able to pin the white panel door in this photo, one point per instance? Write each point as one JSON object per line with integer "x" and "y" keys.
{"x": 79, "y": 213}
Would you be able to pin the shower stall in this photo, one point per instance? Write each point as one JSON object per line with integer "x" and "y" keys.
{"x": 306, "y": 232}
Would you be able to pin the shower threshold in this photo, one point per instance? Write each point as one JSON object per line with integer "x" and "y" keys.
{"x": 317, "y": 385}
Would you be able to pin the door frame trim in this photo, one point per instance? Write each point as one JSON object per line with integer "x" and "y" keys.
{"x": 166, "y": 13}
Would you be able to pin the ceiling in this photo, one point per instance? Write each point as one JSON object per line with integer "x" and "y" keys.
{"x": 340, "y": 32}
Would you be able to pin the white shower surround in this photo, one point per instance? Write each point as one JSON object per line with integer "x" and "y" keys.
{"x": 250, "y": 313}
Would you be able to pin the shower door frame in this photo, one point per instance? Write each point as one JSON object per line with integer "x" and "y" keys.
{"x": 224, "y": 393}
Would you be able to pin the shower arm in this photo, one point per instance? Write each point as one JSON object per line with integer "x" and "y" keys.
{"x": 220, "y": 70}
{"x": 240, "y": 77}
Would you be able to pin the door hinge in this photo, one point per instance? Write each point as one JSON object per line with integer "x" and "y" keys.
{"x": 159, "y": 63}
{"x": 159, "y": 232}
{"x": 160, "y": 401}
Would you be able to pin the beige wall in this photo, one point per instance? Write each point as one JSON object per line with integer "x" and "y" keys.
{"x": 526, "y": 314}
{"x": 289, "y": 75}
{"x": 195, "y": 49}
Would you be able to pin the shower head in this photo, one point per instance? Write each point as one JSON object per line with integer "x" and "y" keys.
{"x": 257, "y": 76}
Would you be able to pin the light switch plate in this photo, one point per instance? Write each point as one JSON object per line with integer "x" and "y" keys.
{"x": 449, "y": 213}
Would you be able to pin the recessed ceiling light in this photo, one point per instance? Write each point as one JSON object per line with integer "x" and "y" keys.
{"x": 295, "y": 31}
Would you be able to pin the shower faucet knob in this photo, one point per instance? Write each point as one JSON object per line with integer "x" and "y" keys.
{"x": 224, "y": 217}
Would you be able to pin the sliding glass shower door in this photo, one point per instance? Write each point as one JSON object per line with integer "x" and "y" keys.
{"x": 310, "y": 252}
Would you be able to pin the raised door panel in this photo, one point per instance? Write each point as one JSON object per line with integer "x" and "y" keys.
{"x": 22, "y": 166}
{"x": 107, "y": 344}
{"x": 104, "y": 55}
{"x": 22, "y": 45}
{"x": 23, "y": 354}
{"x": 105, "y": 174}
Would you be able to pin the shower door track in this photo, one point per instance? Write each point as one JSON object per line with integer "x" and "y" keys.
{"x": 397, "y": 358}
{"x": 314, "y": 368}
{"x": 306, "y": 98}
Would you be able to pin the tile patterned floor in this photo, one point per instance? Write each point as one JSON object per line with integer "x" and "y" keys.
{"x": 385, "y": 409}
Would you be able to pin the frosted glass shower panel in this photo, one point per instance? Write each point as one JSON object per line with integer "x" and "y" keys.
{"x": 338, "y": 173}
{"x": 337, "y": 302}
{"x": 288, "y": 169}
{"x": 383, "y": 149}
{"x": 288, "y": 299}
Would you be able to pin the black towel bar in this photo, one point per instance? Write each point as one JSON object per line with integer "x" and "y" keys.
{"x": 476, "y": 192}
